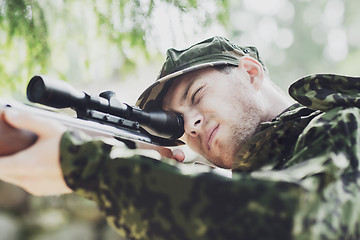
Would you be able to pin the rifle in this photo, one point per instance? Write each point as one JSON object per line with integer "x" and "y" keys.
{"x": 102, "y": 115}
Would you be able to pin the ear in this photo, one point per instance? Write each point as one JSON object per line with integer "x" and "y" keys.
{"x": 254, "y": 70}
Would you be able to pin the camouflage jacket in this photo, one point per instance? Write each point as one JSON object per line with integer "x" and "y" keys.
{"x": 297, "y": 178}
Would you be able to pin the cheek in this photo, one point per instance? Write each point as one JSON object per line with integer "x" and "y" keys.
{"x": 215, "y": 104}
{"x": 222, "y": 112}
{"x": 223, "y": 99}
{"x": 194, "y": 144}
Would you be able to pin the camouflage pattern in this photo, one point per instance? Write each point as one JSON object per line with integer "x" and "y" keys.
{"x": 297, "y": 178}
{"x": 210, "y": 52}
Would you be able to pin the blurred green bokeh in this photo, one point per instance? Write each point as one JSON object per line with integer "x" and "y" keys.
{"x": 120, "y": 45}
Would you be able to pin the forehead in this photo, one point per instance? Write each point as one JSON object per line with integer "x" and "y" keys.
{"x": 178, "y": 90}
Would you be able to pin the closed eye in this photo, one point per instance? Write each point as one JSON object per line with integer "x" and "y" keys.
{"x": 195, "y": 93}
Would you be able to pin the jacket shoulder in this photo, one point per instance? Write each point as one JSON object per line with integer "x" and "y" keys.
{"x": 326, "y": 91}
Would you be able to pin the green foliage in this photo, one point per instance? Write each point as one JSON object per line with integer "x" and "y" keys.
{"x": 22, "y": 20}
{"x": 29, "y": 27}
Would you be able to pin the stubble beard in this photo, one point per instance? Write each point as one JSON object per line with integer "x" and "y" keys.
{"x": 241, "y": 131}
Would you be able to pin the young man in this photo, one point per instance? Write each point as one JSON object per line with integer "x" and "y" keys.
{"x": 223, "y": 97}
{"x": 295, "y": 166}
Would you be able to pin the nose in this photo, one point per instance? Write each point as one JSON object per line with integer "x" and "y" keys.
{"x": 193, "y": 122}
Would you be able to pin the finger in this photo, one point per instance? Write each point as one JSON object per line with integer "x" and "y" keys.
{"x": 26, "y": 121}
{"x": 178, "y": 155}
{"x": 165, "y": 152}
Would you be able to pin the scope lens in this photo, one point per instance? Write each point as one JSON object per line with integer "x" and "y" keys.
{"x": 36, "y": 89}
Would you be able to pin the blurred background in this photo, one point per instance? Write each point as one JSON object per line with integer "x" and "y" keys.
{"x": 120, "y": 45}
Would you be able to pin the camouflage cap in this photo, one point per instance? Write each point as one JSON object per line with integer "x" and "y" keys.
{"x": 211, "y": 52}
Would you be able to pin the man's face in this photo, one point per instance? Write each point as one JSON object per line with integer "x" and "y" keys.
{"x": 221, "y": 111}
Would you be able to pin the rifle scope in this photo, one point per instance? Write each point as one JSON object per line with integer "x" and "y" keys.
{"x": 59, "y": 94}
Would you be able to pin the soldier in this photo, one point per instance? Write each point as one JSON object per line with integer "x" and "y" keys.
{"x": 295, "y": 164}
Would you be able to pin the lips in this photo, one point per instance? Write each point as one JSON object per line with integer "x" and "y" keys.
{"x": 211, "y": 135}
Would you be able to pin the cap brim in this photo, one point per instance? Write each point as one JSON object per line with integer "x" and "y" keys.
{"x": 155, "y": 92}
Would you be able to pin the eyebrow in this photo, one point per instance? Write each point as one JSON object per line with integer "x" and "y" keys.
{"x": 188, "y": 86}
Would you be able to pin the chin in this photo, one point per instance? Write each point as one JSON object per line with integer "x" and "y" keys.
{"x": 223, "y": 161}
{"x": 227, "y": 164}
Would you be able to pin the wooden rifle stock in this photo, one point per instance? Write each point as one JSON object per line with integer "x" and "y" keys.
{"x": 13, "y": 140}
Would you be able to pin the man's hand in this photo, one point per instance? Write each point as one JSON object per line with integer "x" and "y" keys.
{"x": 36, "y": 168}
{"x": 175, "y": 154}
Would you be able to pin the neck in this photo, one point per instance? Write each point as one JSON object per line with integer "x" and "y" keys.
{"x": 275, "y": 101}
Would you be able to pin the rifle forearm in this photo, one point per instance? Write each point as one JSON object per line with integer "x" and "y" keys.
{"x": 13, "y": 140}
